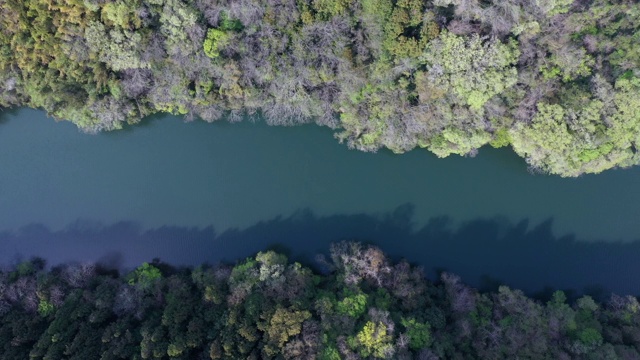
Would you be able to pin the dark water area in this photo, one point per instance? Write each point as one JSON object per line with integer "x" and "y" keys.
{"x": 197, "y": 192}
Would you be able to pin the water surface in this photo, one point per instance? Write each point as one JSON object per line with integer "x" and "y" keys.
{"x": 211, "y": 181}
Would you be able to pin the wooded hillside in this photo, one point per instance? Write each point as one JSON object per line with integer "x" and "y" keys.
{"x": 558, "y": 80}
{"x": 265, "y": 307}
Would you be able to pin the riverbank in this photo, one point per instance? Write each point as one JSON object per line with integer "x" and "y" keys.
{"x": 147, "y": 191}
{"x": 362, "y": 306}
{"x": 558, "y": 81}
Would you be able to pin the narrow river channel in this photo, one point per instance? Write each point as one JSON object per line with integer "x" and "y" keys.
{"x": 195, "y": 192}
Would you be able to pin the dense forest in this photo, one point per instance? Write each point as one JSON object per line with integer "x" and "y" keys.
{"x": 361, "y": 306}
{"x": 558, "y": 80}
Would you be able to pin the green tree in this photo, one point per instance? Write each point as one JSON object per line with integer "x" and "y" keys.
{"x": 145, "y": 276}
{"x": 419, "y": 333}
{"x": 374, "y": 340}
{"x": 474, "y": 69}
{"x": 215, "y": 40}
{"x": 353, "y": 305}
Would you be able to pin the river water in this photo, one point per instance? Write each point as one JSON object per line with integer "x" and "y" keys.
{"x": 195, "y": 192}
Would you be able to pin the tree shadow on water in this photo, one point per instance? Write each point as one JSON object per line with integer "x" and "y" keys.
{"x": 485, "y": 252}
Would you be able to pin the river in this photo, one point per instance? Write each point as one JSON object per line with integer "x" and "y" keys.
{"x": 194, "y": 192}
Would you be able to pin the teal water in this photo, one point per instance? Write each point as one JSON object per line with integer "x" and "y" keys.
{"x": 225, "y": 181}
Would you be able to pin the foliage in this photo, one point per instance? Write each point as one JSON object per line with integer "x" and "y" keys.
{"x": 199, "y": 313}
{"x": 215, "y": 40}
{"x": 145, "y": 276}
{"x": 45, "y": 308}
{"x": 473, "y": 70}
{"x": 375, "y": 341}
{"x": 449, "y": 75}
{"x": 419, "y": 334}
{"x": 354, "y": 306}
{"x": 589, "y": 137}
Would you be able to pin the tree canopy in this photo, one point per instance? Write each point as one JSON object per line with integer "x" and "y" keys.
{"x": 362, "y": 307}
{"x": 447, "y": 75}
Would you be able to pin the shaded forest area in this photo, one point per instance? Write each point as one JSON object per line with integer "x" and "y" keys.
{"x": 558, "y": 80}
{"x": 361, "y": 307}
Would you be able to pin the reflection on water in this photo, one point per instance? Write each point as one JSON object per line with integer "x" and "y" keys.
{"x": 484, "y": 252}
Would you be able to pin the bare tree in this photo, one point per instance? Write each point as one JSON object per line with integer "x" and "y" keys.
{"x": 136, "y": 82}
{"x": 77, "y": 275}
{"x": 56, "y": 295}
{"x": 460, "y": 296}
{"x": 127, "y": 301}
{"x": 5, "y": 306}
